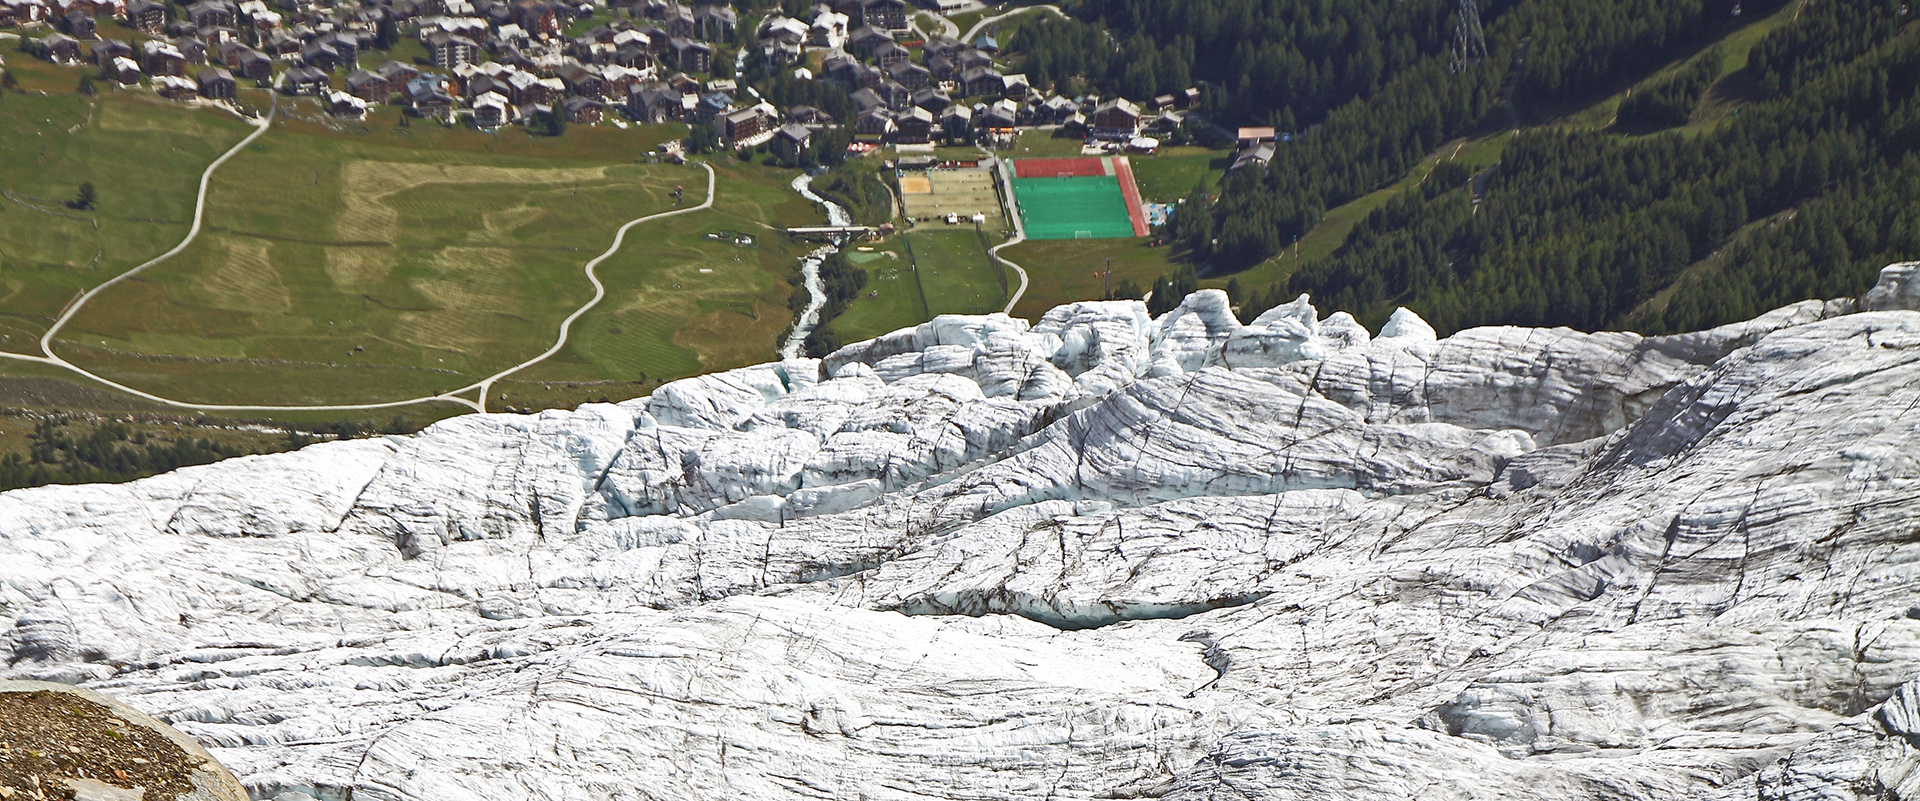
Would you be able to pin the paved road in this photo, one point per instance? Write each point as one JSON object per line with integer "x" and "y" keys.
{"x": 1019, "y": 235}
{"x": 978, "y": 26}
{"x": 948, "y": 29}
{"x": 478, "y": 404}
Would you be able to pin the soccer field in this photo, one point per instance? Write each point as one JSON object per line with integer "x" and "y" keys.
{"x": 1073, "y": 208}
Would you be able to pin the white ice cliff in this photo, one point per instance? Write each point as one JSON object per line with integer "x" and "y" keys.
{"x": 1099, "y": 556}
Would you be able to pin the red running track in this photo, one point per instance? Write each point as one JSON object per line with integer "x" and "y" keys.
{"x": 1124, "y": 171}
{"x": 1059, "y": 168}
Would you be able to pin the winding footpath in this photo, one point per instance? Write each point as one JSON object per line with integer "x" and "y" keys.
{"x": 483, "y": 386}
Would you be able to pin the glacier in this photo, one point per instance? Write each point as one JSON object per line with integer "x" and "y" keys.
{"x": 1100, "y": 555}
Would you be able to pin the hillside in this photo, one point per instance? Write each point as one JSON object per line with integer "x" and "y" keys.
{"x": 1646, "y": 166}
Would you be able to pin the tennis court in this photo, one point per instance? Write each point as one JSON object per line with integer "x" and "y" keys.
{"x": 933, "y": 195}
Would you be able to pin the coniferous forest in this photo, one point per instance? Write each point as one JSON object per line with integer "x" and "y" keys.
{"x": 1805, "y": 190}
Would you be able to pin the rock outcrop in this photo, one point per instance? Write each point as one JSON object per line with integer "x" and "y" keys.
{"x": 1103, "y": 555}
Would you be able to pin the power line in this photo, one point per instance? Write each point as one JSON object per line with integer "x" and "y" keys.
{"x": 1469, "y": 41}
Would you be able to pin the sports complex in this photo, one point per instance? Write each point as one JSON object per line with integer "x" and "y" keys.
{"x": 1077, "y": 198}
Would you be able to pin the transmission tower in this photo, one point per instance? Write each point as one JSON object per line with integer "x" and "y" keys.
{"x": 1469, "y": 42}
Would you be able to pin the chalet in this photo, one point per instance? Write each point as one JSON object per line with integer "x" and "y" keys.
{"x": 246, "y": 62}
{"x": 986, "y": 44}
{"x": 583, "y": 110}
{"x": 124, "y": 70}
{"x": 1166, "y": 124}
{"x": 829, "y": 29}
{"x": 1257, "y": 155}
{"x": 428, "y": 97}
{"x": 744, "y": 125}
{"x": 347, "y": 44}
{"x": 775, "y": 53}
{"x": 1249, "y": 137}
{"x": 809, "y": 116}
{"x": 677, "y": 20}
{"x": 341, "y": 104}
{"x": 942, "y": 66}
{"x": 888, "y": 14}
{"x": 684, "y": 84}
{"x": 716, "y": 23}
{"x": 944, "y": 7}
{"x": 1116, "y": 119}
{"x": 306, "y": 81}
{"x": 211, "y": 13}
{"x": 536, "y": 17}
{"x": 867, "y": 99}
{"x": 897, "y": 97}
{"x": 838, "y": 66}
{"x": 216, "y": 84}
{"x": 1054, "y": 110}
{"x": 99, "y": 8}
{"x": 60, "y": 48}
{"x": 174, "y": 87}
{"x": 147, "y": 16}
{"x": 321, "y": 56}
{"x": 984, "y": 81}
{"x": 634, "y": 56}
{"x": 258, "y": 16}
{"x": 582, "y": 81}
{"x": 910, "y": 75}
{"x": 691, "y": 56}
{"x": 782, "y": 28}
{"x": 956, "y": 120}
{"x": 999, "y": 116}
{"x": 23, "y": 12}
{"x": 873, "y": 124}
{"x": 1188, "y": 97}
{"x": 865, "y": 40}
{"x": 914, "y": 127}
{"x": 191, "y": 49}
{"x": 369, "y": 86}
{"x": 106, "y": 50}
{"x": 791, "y": 140}
{"x": 711, "y": 106}
{"x": 396, "y": 74}
{"x": 967, "y": 58}
{"x": 78, "y": 24}
{"x": 162, "y": 58}
{"x": 1017, "y": 85}
{"x": 528, "y": 89}
{"x": 491, "y": 110}
{"x": 654, "y": 102}
{"x": 281, "y": 44}
{"x": 215, "y": 37}
{"x": 629, "y": 36}
{"x": 449, "y": 50}
{"x": 932, "y": 99}
{"x": 182, "y": 27}
{"x": 615, "y": 79}
{"x": 657, "y": 38}
{"x": 890, "y": 54}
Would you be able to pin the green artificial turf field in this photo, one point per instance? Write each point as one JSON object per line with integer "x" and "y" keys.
{"x": 1072, "y": 208}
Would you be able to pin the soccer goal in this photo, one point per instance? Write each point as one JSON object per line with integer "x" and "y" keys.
{"x": 1083, "y": 235}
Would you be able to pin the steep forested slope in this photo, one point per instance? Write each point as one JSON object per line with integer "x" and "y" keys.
{"x": 1797, "y": 193}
